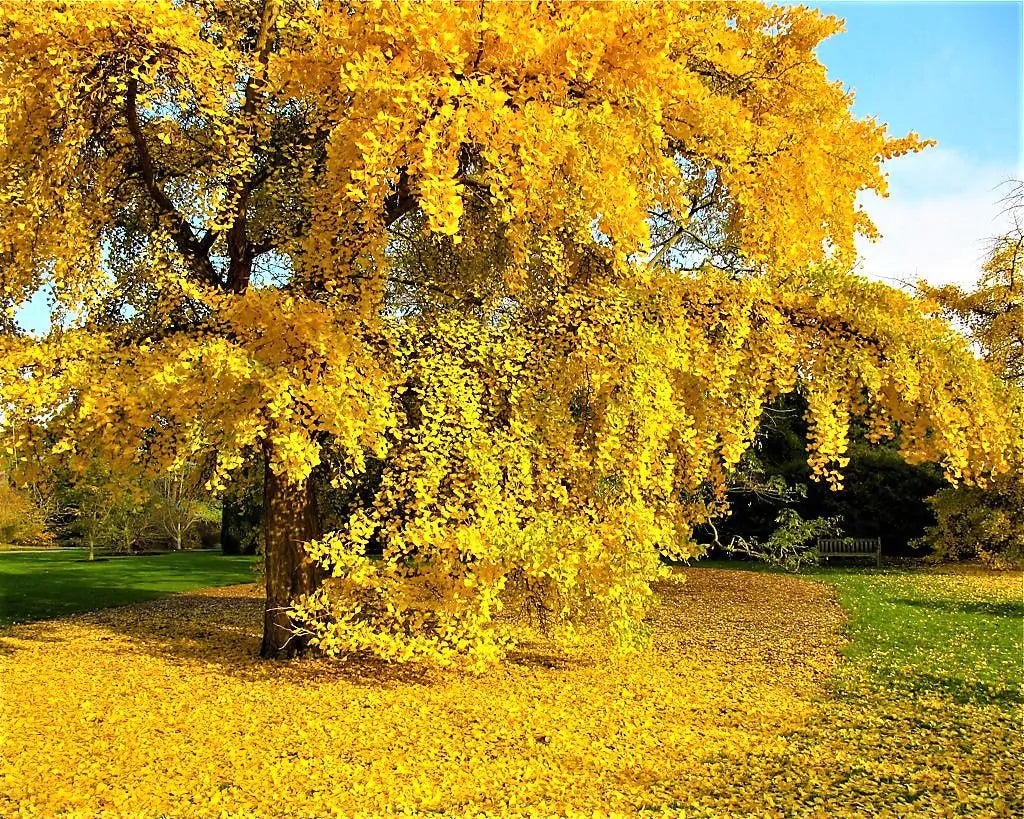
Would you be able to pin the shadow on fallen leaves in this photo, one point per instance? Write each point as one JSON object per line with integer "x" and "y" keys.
{"x": 534, "y": 656}
{"x": 219, "y": 629}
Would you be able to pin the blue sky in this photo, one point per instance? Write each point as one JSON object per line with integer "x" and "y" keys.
{"x": 952, "y": 72}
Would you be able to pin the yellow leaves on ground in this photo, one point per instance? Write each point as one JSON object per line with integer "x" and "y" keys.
{"x": 162, "y": 708}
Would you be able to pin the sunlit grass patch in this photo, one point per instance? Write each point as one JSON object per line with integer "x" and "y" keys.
{"x": 938, "y": 633}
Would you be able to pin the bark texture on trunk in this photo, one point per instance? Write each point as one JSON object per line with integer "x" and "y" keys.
{"x": 290, "y": 518}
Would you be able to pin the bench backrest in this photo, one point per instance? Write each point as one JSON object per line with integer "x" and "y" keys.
{"x": 850, "y": 546}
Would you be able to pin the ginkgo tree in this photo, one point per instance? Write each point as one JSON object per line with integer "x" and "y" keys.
{"x": 516, "y": 279}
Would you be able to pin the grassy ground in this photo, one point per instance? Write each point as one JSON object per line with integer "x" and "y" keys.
{"x": 36, "y": 585}
{"x": 948, "y": 633}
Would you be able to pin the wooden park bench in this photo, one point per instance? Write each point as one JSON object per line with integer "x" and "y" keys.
{"x": 850, "y": 547}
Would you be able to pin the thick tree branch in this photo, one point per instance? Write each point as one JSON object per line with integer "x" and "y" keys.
{"x": 181, "y": 231}
{"x": 400, "y": 202}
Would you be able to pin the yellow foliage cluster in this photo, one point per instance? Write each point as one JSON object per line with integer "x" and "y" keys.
{"x": 162, "y": 709}
{"x": 22, "y": 521}
{"x": 453, "y": 239}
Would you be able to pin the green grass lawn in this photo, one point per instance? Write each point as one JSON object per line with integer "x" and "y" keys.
{"x": 923, "y": 717}
{"x": 40, "y": 585}
{"x": 925, "y": 633}
{"x": 925, "y": 714}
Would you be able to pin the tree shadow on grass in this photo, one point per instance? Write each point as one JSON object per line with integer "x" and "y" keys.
{"x": 960, "y": 690}
{"x": 65, "y": 598}
{"x": 50, "y": 592}
{"x": 992, "y": 609}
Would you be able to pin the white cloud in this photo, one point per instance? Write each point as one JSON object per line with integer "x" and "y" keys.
{"x": 943, "y": 209}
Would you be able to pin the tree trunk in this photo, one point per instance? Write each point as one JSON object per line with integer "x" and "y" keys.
{"x": 290, "y": 518}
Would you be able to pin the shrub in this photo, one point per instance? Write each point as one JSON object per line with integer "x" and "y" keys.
{"x": 984, "y": 523}
{"x": 22, "y": 522}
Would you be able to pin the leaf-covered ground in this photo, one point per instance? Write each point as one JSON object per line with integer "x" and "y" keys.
{"x": 740, "y": 708}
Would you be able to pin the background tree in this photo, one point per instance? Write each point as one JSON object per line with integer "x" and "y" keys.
{"x": 986, "y": 522}
{"x": 242, "y": 509}
{"x": 22, "y": 521}
{"x": 992, "y": 313}
{"x": 103, "y": 509}
{"x": 519, "y": 278}
{"x": 179, "y": 504}
{"x": 882, "y": 495}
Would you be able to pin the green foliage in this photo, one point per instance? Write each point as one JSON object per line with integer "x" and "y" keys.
{"x": 242, "y": 511}
{"x": 792, "y": 544}
{"x": 884, "y": 497}
{"x": 123, "y": 513}
{"x": 985, "y": 523}
{"x": 101, "y": 510}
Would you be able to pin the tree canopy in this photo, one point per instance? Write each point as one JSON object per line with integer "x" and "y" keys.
{"x": 985, "y": 522}
{"x": 992, "y": 313}
{"x": 518, "y": 277}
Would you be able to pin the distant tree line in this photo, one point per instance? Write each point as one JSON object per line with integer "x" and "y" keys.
{"x": 105, "y": 512}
